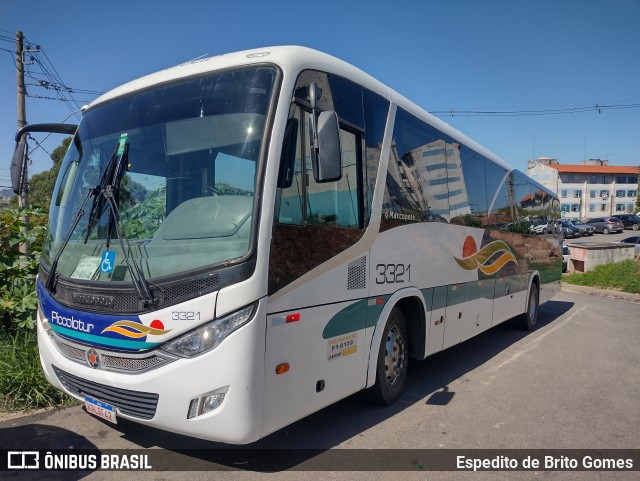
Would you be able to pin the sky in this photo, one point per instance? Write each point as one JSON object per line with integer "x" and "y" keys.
{"x": 463, "y": 60}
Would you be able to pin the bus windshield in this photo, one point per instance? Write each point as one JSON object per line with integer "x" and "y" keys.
{"x": 185, "y": 199}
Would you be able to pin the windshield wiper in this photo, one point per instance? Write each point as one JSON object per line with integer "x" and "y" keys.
{"x": 106, "y": 175}
{"x": 108, "y": 188}
{"x": 54, "y": 265}
{"x": 95, "y": 191}
{"x": 110, "y": 194}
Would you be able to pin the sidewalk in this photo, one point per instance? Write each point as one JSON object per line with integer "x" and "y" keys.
{"x": 592, "y": 291}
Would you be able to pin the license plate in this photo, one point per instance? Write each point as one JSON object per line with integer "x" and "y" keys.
{"x": 101, "y": 409}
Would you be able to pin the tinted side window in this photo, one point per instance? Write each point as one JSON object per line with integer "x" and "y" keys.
{"x": 376, "y": 109}
{"x": 474, "y": 178}
{"x": 316, "y": 221}
{"x": 500, "y": 196}
{"x": 425, "y": 180}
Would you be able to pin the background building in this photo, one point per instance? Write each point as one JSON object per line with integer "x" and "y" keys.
{"x": 592, "y": 189}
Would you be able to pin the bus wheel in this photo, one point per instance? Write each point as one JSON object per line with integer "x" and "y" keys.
{"x": 530, "y": 317}
{"x": 393, "y": 356}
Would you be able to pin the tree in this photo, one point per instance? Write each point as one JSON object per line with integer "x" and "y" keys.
{"x": 41, "y": 185}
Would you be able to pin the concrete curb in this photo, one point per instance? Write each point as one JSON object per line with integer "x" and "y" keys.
{"x": 592, "y": 291}
{"x": 12, "y": 417}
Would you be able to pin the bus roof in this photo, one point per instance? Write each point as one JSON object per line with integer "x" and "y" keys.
{"x": 292, "y": 60}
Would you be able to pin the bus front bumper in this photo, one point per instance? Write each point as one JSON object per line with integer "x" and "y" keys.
{"x": 162, "y": 397}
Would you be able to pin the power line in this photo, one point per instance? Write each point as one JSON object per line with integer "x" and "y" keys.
{"x": 599, "y": 108}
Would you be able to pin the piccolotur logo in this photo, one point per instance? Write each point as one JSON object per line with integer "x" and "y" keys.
{"x": 489, "y": 259}
{"x": 71, "y": 322}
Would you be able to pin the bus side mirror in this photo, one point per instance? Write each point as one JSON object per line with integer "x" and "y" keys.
{"x": 326, "y": 154}
{"x": 17, "y": 166}
{"x": 19, "y": 155}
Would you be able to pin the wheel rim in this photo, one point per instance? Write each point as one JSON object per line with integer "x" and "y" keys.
{"x": 533, "y": 305}
{"x": 635, "y": 227}
{"x": 394, "y": 358}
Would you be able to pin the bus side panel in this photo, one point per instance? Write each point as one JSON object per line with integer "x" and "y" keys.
{"x": 511, "y": 297}
{"x": 318, "y": 330}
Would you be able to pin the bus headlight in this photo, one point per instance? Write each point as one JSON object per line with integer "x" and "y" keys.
{"x": 209, "y": 335}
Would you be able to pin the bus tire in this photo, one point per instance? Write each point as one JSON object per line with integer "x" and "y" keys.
{"x": 530, "y": 317}
{"x": 393, "y": 357}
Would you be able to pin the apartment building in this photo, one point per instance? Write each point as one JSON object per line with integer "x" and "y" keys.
{"x": 590, "y": 190}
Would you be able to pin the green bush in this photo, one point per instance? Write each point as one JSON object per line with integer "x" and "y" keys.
{"x": 22, "y": 382}
{"x": 623, "y": 276}
{"x": 18, "y": 301}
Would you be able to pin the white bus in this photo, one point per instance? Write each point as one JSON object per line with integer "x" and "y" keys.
{"x": 239, "y": 241}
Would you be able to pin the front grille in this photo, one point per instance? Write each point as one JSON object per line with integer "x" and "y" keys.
{"x": 128, "y": 364}
{"x": 132, "y": 403}
{"x": 124, "y": 299}
{"x": 71, "y": 352}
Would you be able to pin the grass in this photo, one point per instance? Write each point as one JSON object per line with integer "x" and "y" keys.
{"x": 621, "y": 276}
{"x": 22, "y": 382}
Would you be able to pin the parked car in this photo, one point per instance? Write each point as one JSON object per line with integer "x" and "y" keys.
{"x": 606, "y": 224}
{"x": 539, "y": 228}
{"x": 565, "y": 258}
{"x": 585, "y": 229}
{"x": 630, "y": 221}
{"x": 567, "y": 229}
{"x": 633, "y": 240}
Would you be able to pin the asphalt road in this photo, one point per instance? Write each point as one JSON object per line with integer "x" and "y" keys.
{"x": 571, "y": 383}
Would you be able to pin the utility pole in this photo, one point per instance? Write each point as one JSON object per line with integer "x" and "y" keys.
{"x": 23, "y": 201}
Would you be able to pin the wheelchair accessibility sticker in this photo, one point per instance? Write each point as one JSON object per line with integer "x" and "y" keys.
{"x": 108, "y": 261}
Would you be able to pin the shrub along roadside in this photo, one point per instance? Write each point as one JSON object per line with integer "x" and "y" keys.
{"x": 621, "y": 276}
{"x": 22, "y": 382}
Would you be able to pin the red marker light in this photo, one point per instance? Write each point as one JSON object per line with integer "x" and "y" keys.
{"x": 293, "y": 317}
{"x": 282, "y": 368}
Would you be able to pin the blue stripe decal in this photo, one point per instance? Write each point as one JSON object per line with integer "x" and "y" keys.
{"x": 94, "y": 329}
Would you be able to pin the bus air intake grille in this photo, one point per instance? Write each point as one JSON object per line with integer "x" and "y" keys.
{"x": 357, "y": 274}
{"x": 125, "y": 300}
{"x": 129, "y": 364}
{"x": 131, "y": 403}
{"x": 125, "y": 364}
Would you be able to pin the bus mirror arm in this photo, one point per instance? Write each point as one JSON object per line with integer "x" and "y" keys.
{"x": 326, "y": 154}
{"x": 288, "y": 157}
{"x": 19, "y": 155}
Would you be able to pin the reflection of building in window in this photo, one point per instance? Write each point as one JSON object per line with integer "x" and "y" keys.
{"x": 440, "y": 164}
{"x": 403, "y": 194}
{"x": 536, "y": 201}
{"x": 429, "y": 179}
